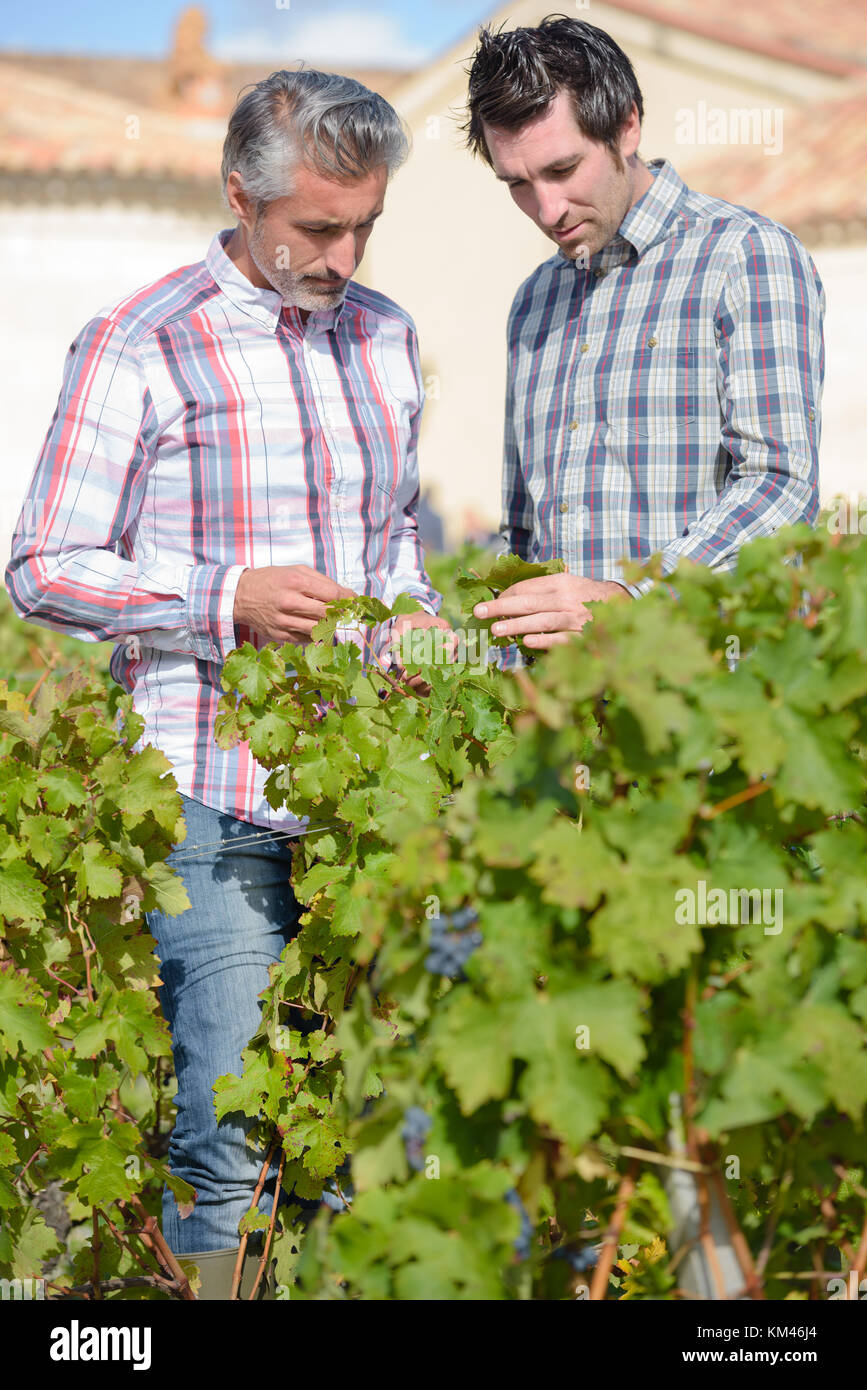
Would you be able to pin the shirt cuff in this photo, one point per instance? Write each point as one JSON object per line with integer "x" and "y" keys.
{"x": 424, "y": 599}
{"x": 509, "y": 658}
{"x": 638, "y": 590}
{"x": 210, "y": 610}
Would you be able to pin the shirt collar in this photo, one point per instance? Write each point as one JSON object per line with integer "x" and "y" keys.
{"x": 648, "y": 221}
{"x": 266, "y": 305}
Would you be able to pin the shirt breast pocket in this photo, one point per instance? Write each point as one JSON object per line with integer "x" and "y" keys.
{"x": 385, "y": 491}
{"x": 652, "y": 392}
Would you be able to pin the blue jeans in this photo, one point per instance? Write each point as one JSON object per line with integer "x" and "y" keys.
{"x": 214, "y": 960}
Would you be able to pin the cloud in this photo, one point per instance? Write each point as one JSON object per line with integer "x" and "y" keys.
{"x": 350, "y": 38}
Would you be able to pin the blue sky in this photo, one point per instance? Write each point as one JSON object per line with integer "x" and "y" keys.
{"x": 385, "y": 33}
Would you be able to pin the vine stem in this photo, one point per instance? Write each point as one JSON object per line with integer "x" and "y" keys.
{"x": 43, "y": 1148}
{"x": 395, "y": 684}
{"x": 754, "y": 789}
{"x": 710, "y": 990}
{"x": 153, "y": 1237}
{"x": 667, "y": 1160}
{"x": 130, "y": 1281}
{"x": 599, "y": 1284}
{"x": 242, "y": 1248}
{"x": 767, "y": 1243}
{"x": 752, "y": 1282}
{"x": 87, "y": 953}
{"x": 382, "y": 669}
{"x": 264, "y": 1260}
{"x": 843, "y": 1176}
{"x": 354, "y": 976}
{"x": 818, "y": 1259}
{"x": 95, "y": 1248}
{"x": 155, "y": 1131}
{"x": 60, "y": 980}
{"x": 159, "y": 1280}
{"x": 48, "y": 669}
{"x": 829, "y": 1211}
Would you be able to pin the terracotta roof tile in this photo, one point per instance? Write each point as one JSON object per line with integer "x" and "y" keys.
{"x": 142, "y": 80}
{"x": 47, "y": 123}
{"x": 816, "y": 185}
{"x": 829, "y": 35}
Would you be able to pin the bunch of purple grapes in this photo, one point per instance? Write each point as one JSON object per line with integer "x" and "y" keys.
{"x": 580, "y": 1260}
{"x": 525, "y": 1235}
{"x": 323, "y": 706}
{"x": 416, "y": 1127}
{"x": 452, "y": 942}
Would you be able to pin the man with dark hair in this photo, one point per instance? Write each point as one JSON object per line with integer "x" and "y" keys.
{"x": 665, "y": 366}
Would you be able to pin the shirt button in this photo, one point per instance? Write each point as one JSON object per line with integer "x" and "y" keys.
{"x": 599, "y": 272}
{"x": 573, "y": 424}
{"x": 564, "y": 506}
{"x": 651, "y": 342}
{"x": 812, "y": 414}
{"x": 585, "y": 347}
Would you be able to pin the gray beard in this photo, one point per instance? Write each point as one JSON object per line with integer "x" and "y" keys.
{"x": 292, "y": 287}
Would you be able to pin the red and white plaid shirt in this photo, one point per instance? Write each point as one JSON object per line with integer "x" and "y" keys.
{"x": 203, "y": 428}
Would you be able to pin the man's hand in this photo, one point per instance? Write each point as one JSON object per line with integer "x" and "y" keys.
{"x": 283, "y": 603}
{"x": 547, "y": 611}
{"x": 420, "y": 620}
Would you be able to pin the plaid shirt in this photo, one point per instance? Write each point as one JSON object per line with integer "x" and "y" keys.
{"x": 202, "y": 428}
{"x": 666, "y": 395}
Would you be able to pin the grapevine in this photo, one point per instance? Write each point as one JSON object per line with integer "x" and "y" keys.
{"x": 519, "y": 1003}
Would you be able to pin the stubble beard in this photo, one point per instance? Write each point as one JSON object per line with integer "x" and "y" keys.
{"x": 605, "y": 231}
{"x": 294, "y": 289}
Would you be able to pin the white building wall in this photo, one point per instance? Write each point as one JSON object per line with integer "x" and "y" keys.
{"x": 60, "y": 265}
{"x": 843, "y": 447}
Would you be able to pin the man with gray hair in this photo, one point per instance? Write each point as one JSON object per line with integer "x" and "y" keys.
{"x": 233, "y": 448}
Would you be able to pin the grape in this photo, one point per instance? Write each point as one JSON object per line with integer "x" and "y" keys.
{"x": 416, "y": 1123}
{"x": 464, "y": 917}
{"x": 584, "y": 1259}
{"x": 452, "y": 943}
{"x": 580, "y": 1260}
{"x": 525, "y": 1235}
{"x": 416, "y": 1126}
{"x": 371, "y": 1101}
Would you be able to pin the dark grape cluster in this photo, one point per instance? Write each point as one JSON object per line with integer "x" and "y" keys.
{"x": 580, "y": 1260}
{"x": 525, "y": 1235}
{"x": 416, "y": 1127}
{"x": 371, "y": 1101}
{"x": 452, "y": 942}
{"x": 322, "y": 706}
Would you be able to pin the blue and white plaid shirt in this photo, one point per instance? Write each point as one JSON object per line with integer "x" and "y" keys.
{"x": 664, "y": 396}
